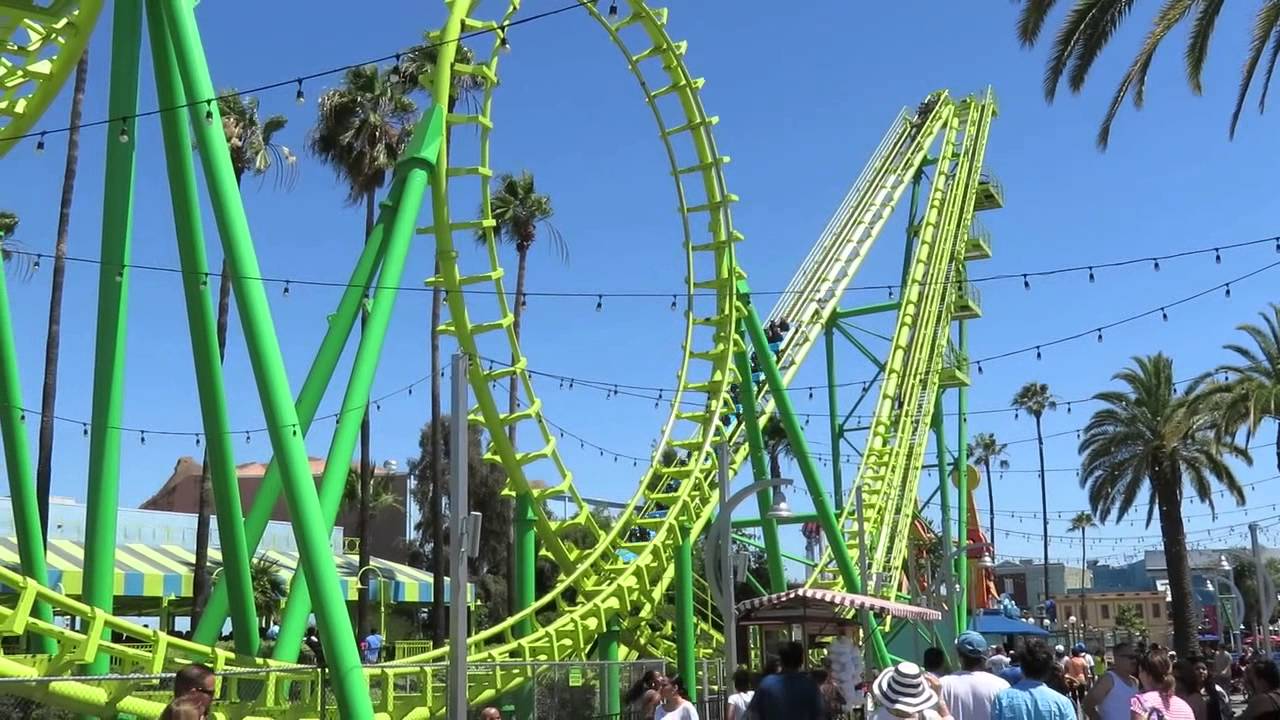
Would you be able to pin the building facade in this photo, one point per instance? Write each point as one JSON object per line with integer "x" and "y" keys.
{"x": 389, "y": 531}
{"x": 1099, "y": 610}
{"x": 1024, "y": 581}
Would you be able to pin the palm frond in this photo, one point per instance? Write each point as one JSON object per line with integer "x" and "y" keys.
{"x": 1198, "y": 42}
{"x": 1031, "y": 20}
{"x": 1098, "y": 31}
{"x": 1264, "y": 27}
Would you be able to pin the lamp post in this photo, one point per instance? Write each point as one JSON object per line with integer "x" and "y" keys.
{"x": 382, "y": 597}
{"x": 1232, "y": 613}
{"x": 717, "y": 546}
{"x": 1072, "y": 621}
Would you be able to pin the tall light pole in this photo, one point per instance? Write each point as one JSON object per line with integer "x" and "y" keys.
{"x": 717, "y": 557}
{"x": 464, "y": 541}
{"x": 1263, "y": 636}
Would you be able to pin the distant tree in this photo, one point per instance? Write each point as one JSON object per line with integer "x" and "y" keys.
{"x": 984, "y": 450}
{"x": 1129, "y": 617}
{"x": 1081, "y": 524}
{"x": 1034, "y": 399}
{"x": 1246, "y": 579}
{"x": 1251, "y": 391}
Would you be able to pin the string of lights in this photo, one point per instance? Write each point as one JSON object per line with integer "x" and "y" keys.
{"x": 297, "y": 80}
{"x": 288, "y": 283}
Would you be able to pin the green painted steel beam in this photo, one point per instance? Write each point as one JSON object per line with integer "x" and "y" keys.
{"x": 686, "y": 624}
{"x": 754, "y": 331}
{"x": 759, "y": 470}
{"x": 404, "y": 202}
{"x": 837, "y": 426}
{"x": 17, "y": 463}
{"x": 202, "y": 326}
{"x": 873, "y": 309}
{"x": 103, "y": 497}
{"x": 267, "y": 362}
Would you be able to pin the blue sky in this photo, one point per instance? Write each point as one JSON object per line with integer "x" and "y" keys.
{"x": 803, "y": 100}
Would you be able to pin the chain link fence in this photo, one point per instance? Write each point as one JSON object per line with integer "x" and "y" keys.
{"x": 521, "y": 691}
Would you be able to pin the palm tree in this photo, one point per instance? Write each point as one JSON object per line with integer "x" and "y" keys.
{"x": 518, "y": 209}
{"x": 1081, "y": 523}
{"x": 8, "y": 246}
{"x": 1090, "y": 25}
{"x": 381, "y": 496}
{"x": 8, "y": 226}
{"x": 53, "y": 337}
{"x": 419, "y": 61}
{"x": 776, "y": 445}
{"x": 362, "y": 129}
{"x": 269, "y": 587}
{"x": 252, "y": 144}
{"x": 1149, "y": 439}
{"x": 1251, "y": 392}
{"x": 983, "y": 450}
{"x": 1034, "y": 399}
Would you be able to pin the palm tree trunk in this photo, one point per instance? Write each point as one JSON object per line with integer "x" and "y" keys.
{"x": 53, "y": 341}
{"x": 1044, "y": 507}
{"x": 775, "y": 466}
{"x": 513, "y": 398}
{"x": 366, "y": 464}
{"x": 1083, "y": 548}
{"x": 1175, "y": 556}
{"x": 991, "y": 508}
{"x": 439, "y": 626}
{"x": 200, "y": 575}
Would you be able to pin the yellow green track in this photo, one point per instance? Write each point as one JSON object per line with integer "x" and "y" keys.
{"x": 613, "y": 578}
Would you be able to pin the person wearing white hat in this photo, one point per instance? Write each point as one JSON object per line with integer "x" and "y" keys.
{"x": 904, "y": 691}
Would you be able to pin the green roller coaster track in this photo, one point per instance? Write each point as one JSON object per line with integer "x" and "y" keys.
{"x": 619, "y": 584}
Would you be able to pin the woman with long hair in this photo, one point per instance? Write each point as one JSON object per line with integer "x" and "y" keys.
{"x": 642, "y": 698}
{"x": 1158, "y": 700}
{"x": 1188, "y": 685}
{"x": 675, "y": 703}
{"x": 1262, "y": 679}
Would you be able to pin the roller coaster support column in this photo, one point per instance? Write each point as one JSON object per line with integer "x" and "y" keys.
{"x": 17, "y": 463}
{"x": 944, "y": 501}
{"x": 686, "y": 628}
{"x": 759, "y": 471}
{"x": 459, "y": 542}
{"x": 269, "y": 373}
{"x": 962, "y": 476}
{"x": 608, "y": 650}
{"x": 309, "y": 397}
{"x": 837, "y": 429}
{"x": 103, "y": 498}
{"x": 403, "y": 203}
{"x": 755, "y": 336}
{"x": 204, "y": 333}
{"x": 526, "y": 555}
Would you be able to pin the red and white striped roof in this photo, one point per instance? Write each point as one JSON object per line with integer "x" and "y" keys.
{"x": 815, "y": 604}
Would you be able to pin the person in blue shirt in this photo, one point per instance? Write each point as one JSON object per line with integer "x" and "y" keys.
{"x": 371, "y": 648}
{"x": 790, "y": 694}
{"x": 1031, "y": 699}
{"x": 1012, "y": 673}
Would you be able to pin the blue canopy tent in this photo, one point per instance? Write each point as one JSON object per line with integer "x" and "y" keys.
{"x": 993, "y": 622}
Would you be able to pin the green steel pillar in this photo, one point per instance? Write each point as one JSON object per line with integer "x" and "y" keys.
{"x": 204, "y": 335}
{"x": 611, "y": 678}
{"x": 760, "y": 471}
{"x": 313, "y": 389}
{"x": 962, "y": 475}
{"x": 525, "y": 550}
{"x": 403, "y": 204}
{"x": 17, "y": 463}
{"x": 686, "y": 628}
{"x": 317, "y": 560}
{"x": 103, "y": 497}
{"x": 837, "y": 432}
{"x": 944, "y": 500}
{"x": 800, "y": 447}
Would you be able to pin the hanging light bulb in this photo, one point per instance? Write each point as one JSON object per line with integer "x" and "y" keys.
{"x": 300, "y": 97}
{"x": 208, "y": 112}
{"x": 890, "y": 292}
{"x": 394, "y": 73}
{"x": 1228, "y": 293}
{"x": 1091, "y": 278}
{"x": 123, "y": 136}
{"x": 1155, "y": 264}
{"x": 410, "y": 389}
{"x": 285, "y": 290}
{"x": 1038, "y": 356}
{"x": 22, "y": 416}
{"x": 247, "y": 438}
{"x": 1164, "y": 315}
{"x": 1278, "y": 244}
{"x": 1217, "y": 256}
{"x": 979, "y": 368}
{"x": 377, "y": 406}
{"x": 1026, "y": 284}
{"x": 673, "y": 303}
{"x": 85, "y": 428}
{"x": 810, "y": 392}
{"x": 40, "y": 143}
{"x": 599, "y": 303}
{"x": 142, "y": 437}
{"x": 524, "y": 302}
{"x": 613, "y": 10}
{"x": 197, "y": 440}
{"x": 120, "y": 275}
{"x": 36, "y": 265}
{"x": 504, "y": 45}
{"x": 1068, "y": 408}
{"x": 1099, "y": 334}
{"x": 204, "y": 281}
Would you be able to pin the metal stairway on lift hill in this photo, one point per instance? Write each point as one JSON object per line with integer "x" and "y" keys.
{"x": 936, "y": 294}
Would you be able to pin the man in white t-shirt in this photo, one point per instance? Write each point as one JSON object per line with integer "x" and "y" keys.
{"x": 998, "y": 660}
{"x": 968, "y": 693}
{"x": 736, "y": 708}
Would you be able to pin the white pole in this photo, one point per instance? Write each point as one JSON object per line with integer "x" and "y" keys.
{"x": 726, "y": 569}
{"x": 459, "y": 506}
